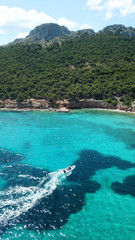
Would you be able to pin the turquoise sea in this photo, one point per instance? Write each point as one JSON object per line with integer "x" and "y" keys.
{"x": 94, "y": 201}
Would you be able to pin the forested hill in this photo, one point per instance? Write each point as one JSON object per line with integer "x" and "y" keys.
{"x": 100, "y": 66}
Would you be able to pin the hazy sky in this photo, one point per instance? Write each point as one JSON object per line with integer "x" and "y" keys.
{"x": 19, "y": 17}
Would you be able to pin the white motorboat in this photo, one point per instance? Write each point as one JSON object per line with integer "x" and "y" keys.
{"x": 69, "y": 169}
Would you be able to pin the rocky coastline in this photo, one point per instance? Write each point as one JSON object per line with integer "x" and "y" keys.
{"x": 60, "y": 106}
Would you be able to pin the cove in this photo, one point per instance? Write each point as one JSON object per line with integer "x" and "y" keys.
{"x": 40, "y": 202}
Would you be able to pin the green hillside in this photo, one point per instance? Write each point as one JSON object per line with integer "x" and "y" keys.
{"x": 100, "y": 67}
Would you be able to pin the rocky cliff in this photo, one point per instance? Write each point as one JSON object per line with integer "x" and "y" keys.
{"x": 79, "y": 33}
{"x": 47, "y": 32}
{"x": 33, "y": 104}
{"x": 119, "y": 30}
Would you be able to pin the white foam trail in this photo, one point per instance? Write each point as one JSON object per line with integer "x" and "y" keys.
{"x": 18, "y": 200}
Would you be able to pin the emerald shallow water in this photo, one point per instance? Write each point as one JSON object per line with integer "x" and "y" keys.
{"x": 96, "y": 201}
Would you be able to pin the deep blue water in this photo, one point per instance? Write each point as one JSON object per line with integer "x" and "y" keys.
{"x": 95, "y": 201}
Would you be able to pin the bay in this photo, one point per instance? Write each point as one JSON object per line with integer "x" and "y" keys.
{"x": 95, "y": 201}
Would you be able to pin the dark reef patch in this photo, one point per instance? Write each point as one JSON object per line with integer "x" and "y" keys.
{"x": 127, "y": 187}
{"x": 133, "y": 145}
{"x": 124, "y": 135}
{"x": 91, "y": 161}
{"x": 52, "y": 211}
{"x": 22, "y": 175}
{"x": 27, "y": 145}
{"x": 9, "y": 157}
{"x": 60, "y": 205}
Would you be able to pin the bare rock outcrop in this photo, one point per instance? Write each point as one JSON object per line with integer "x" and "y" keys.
{"x": 61, "y": 105}
{"x": 85, "y": 103}
{"x": 29, "y": 104}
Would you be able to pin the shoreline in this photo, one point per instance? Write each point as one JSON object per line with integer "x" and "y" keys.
{"x": 58, "y": 110}
{"x": 63, "y": 106}
{"x": 114, "y": 110}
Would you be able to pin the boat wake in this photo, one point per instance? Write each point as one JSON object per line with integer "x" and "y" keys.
{"x": 17, "y": 200}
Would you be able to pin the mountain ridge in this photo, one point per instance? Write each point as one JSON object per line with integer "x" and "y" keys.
{"x": 47, "y": 32}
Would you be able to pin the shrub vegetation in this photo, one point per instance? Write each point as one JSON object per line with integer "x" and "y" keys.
{"x": 100, "y": 67}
